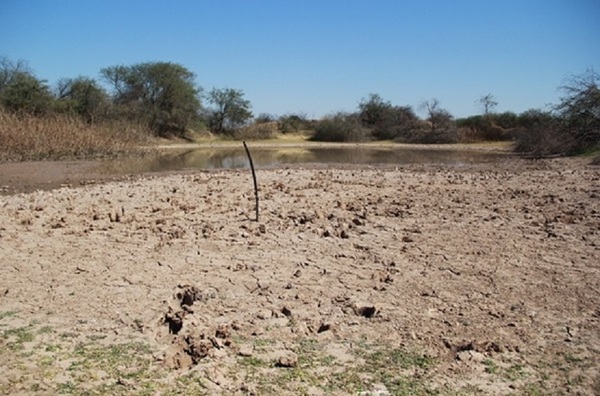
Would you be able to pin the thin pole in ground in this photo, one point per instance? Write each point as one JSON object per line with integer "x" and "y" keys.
{"x": 253, "y": 177}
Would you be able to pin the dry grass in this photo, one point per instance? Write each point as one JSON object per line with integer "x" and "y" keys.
{"x": 54, "y": 137}
{"x": 262, "y": 131}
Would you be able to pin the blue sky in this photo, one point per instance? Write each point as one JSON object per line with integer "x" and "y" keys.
{"x": 321, "y": 56}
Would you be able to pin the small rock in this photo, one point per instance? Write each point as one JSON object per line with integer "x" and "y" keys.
{"x": 263, "y": 315}
{"x": 246, "y": 350}
{"x": 258, "y": 331}
{"x": 289, "y": 359}
{"x": 471, "y": 356}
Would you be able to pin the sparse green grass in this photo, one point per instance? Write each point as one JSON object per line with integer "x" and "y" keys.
{"x": 515, "y": 372}
{"x": 7, "y": 314}
{"x": 375, "y": 364}
{"x": 19, "y": 335}
{"x": 40, "y": 359}
{"x": 490, "y": 366}
{"x": 45, "y": 330}
{"x": 397, "y": 358}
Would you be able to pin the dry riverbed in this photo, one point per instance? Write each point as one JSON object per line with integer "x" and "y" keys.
{"x": 478, "y": 279}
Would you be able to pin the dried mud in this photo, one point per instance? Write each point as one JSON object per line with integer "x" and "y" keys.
{"x": 481, "y": 279}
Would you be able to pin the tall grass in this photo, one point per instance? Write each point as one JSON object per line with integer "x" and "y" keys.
{"x": 59, "y": 137}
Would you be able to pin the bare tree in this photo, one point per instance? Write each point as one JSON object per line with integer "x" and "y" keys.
{"x": 488, "y": 103}
{"x": 441, "y": 123}
{"x": 579, "y": 110}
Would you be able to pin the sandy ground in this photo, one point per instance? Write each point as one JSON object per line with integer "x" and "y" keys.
{"x": 480, "y": 279}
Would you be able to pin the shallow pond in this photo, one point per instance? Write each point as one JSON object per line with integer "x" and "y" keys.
{"x": 235, "y": 157}
{"x": 31, "y": 176}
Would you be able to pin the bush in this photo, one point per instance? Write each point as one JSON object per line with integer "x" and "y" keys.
{"x": 574, "y": 127}
{"x": 579, "y": 112}
{"x": 424, "y": 133}
{"x": 540, "y": 135}
{"x": 340, "y": 127}
{"x": 293, "y": 123}
{"x": 493, "y": 127}
{"x": 385, "y": 120}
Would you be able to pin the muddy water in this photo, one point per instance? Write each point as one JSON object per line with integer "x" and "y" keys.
{"x": 31, "y": 176}
{"x": 231, "y": 158}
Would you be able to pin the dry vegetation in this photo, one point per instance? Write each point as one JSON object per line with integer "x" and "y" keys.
{"x": 60, "y": 137}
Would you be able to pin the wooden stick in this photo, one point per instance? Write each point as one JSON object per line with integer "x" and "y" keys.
{"x": 253, "y": 177}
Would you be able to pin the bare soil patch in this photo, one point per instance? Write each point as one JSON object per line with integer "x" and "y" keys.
{"x": 480, "y": 279}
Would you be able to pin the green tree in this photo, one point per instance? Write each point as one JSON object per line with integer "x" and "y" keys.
{"x": 230, "y": 110}
{"x": 385, "y": 120}
{"x": 82, "y": 96}
{"x": 373, "y": 111}
{"x": 162, "y": 94}
{"x": 506, "y": 120}
{"x": 10, "y": 69}
{"x": 26, "y": 93}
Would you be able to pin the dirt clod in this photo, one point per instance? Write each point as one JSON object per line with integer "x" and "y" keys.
{"x": 288, "y": 360}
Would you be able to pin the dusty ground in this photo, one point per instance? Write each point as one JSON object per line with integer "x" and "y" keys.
{"x": 418, "y": 280}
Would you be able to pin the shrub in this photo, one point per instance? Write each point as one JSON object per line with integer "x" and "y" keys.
{"x": 573, "y": 128}
{"x": 579, "y": 112}
{"x": 491, "y": 127}
{"x": 424, "y": 133}
{"x": 540, "y": 135}
{"x": 294, "y": 123}
{"x": 340, "y": 127}
{"x": 385, "y": 120}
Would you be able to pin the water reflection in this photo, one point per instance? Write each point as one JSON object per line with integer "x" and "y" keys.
{"x": 232, "y": 158}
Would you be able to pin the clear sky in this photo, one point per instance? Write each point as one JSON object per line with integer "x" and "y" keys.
{"x": 321, "y": 56}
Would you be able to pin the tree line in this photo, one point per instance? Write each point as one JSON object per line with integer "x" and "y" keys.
{"x": 166, "y": 98}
